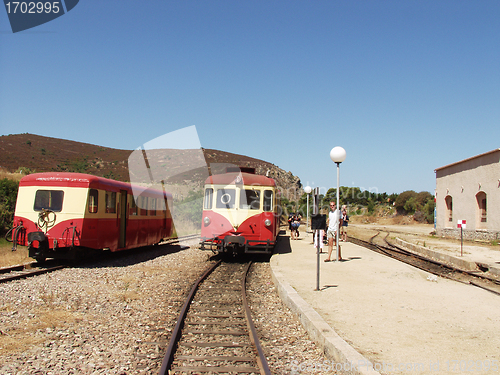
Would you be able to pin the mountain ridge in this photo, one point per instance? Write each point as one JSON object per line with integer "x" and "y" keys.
{"x": 37, "y": 153}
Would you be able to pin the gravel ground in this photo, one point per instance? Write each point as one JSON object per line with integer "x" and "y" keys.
{"x": 283, "y": 339}
{"x": 115, "y": 317}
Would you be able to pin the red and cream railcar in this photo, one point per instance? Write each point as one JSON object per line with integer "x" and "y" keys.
{"x": 59, "y": 215}
{"x": 241, "y": 213}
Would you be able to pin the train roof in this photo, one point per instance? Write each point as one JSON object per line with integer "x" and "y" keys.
{"x": 70, "y": 179}
{"x": 246, "y": 179}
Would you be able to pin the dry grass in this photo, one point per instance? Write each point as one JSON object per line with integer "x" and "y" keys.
{"x": 382, "y": 220}
{"x": 185, "y": 227}
{"x": 22, "y": 338}
{"x": 12, "y": 258}
{"x": 10, "y": 176}
{"x": 130, "y": 289}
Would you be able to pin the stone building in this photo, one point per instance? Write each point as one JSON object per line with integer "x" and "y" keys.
{"x": 469, "y": 190}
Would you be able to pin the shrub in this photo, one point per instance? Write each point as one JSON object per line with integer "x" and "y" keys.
{"x": 8, "y": 197}
{"x": 428, "y": 210}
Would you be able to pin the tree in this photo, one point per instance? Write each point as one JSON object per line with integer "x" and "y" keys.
{"x": 410, "y": 205}
{"x": 402, "y": 199}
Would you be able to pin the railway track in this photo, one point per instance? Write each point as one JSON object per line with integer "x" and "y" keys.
{"x": 475, "y": 278}
{"x": 215, "y": 332}
{"x": 24, "y": 271}
{"x": 175, "y": 240}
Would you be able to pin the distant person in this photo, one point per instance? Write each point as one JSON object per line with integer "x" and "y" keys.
{"x": 290, "y": 217}
{"x": 299, "y": 221}
{"x": 295, "y": 226}
{"x": 344, "y": 223}
{"x": 333, "y": 227}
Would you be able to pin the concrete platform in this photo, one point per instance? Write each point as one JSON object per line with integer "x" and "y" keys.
{"x": 374, "y": 314}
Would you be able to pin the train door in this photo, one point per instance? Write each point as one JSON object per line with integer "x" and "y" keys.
{"x": 123, "y": 219}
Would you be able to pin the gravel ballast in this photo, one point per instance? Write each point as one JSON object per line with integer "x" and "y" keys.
{"x": 115, "y": 317}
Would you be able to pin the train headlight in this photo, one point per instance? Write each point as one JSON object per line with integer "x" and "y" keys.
{"x": 206, "y": 221}
{"x": 267, "y": 222}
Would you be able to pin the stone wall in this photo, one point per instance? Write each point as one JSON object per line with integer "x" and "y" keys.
{"x": 469, "y": 234}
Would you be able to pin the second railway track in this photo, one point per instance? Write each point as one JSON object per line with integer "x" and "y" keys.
{"x": 475, "y": 278}
{"x": 23, "y": 271}
{"x": 215, "y": 332}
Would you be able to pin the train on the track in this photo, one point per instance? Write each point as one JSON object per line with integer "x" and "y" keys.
{"x": 64, "y": 215}
{"x": 241, "y": 213}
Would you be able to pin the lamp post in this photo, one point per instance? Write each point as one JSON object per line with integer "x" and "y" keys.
{"x": 338, "y": 154}
{"x": 307, "y": 190}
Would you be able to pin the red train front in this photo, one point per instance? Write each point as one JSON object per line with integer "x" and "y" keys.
{"x": 240, "y": 213}
{"x": 59, "y": 215}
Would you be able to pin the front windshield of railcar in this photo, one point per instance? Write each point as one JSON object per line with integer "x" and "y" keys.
{"x": 226, "y": 198}
{"x": 48, "y": 200}
{"x": 250, "y": 199}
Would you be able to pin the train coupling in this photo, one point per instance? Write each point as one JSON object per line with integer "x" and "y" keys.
{"x": 234, "y": 240}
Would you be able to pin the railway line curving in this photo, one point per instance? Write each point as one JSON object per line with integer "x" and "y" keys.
{"x": 215, "y": 332}
{"x": 476, "y": 278}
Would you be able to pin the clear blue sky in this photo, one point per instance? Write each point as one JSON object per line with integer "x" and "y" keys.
{"x": 404, "y": 86}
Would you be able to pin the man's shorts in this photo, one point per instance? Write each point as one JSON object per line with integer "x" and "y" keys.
{"x": 331, "y": 233}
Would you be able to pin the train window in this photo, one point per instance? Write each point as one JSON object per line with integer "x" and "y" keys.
{"x": 153, "y": 207}
{"x": 48, "y": 200}
{"x": 143, "y": 206}
{"x": 111, "y": 202}
{"x": 250, "y": 199}
{"x": 268, "y": 200}
{"x": 209, "y": 194}
{"x": 93, "y": 201}
{"x": 226, "y": 198}
{"x": 133, "y": 206}
{"x": 163, "y": 204}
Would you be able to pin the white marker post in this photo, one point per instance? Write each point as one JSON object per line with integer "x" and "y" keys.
{"x": 461, "y": 224}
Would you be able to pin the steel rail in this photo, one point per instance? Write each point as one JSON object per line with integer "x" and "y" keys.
{"x": 254, "y": 345}
{"x": 393, "y": 250}
{"x": 18, "y": 267}
{"x": 262, "y": 360}
{"x": 176, "y": 333}
{"x": 29, "y": 273}
{"x": 471, "y": 273}
{"x": 172, "y": 240}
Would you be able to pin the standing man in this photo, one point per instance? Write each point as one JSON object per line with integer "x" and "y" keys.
{"x": 333, "y": 227}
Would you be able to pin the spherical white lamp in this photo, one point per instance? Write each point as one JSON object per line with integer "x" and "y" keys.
{"x": 338, "y": 154}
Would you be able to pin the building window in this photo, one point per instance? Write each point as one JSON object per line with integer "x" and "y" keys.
{"x": 449, "y": 210}
{"x": 481, "y": 208}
